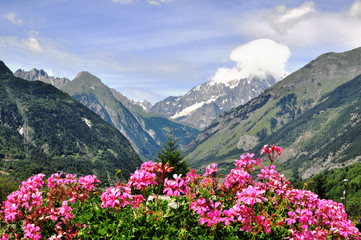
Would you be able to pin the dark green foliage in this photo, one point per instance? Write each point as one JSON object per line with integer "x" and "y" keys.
{"x": 330, "y": 184}
{"x": 288, "y": 105}
{"x": 45, "y": 130}
{"x": 169, "y": 223}
{"x": 273, "y": 123}
{"x": 7, "y": 186}
{"x": 4, "y": 70}
{"x": 320, "y": 186}
{"x": 172, "y": 155}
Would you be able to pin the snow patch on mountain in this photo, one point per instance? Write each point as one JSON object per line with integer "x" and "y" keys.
{"x": 87, "y": 122}
{"x": 188, "y": 110}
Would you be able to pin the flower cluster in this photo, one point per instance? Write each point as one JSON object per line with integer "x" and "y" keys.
{"x": 269, "y": 203}
{"x": 150, "y": 174}
{"x": 271, "y": 152}
{"x": 176, "y": 186}
{"x": 251, "y": 204}
{"x": 37, "y": 210}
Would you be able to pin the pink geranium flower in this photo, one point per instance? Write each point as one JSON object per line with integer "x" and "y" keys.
{"x": 251, "y": 196}
{"x": 211, "y": 169}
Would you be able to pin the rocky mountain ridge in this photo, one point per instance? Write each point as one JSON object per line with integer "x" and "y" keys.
{"x": 202, "y": 104}
{"x": 145, "y": 131}
{"x": 40, "y": 75}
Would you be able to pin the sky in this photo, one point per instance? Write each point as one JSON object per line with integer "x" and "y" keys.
{"x": 152, "y": 49}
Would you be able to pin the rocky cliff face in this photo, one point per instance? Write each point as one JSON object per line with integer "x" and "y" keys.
{"x": 201, "y": 105}
{"x": 41, "y": 75}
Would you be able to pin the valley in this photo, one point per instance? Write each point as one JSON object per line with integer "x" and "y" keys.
{"x": 313, "y": 114}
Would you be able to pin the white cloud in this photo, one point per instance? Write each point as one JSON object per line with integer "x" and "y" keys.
{"x": 158, "y": 2}
{"x": 123, "y": 1}
{"x": 256, "y": 58}
{"x": 152, "y": 2}
{"x": 31, "y": 44}
{"x": 12, "y": 18}
{"x": 304, "y": 26}
{"x": 283, "y": 19}
{"x": 33, "y": 33}
{"x": 355, "y": 9}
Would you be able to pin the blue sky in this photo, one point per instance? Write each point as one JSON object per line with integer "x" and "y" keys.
{"x": 151, "y": 49}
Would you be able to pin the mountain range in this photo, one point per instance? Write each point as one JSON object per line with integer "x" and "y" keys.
{"x": 40, "y": 75}
{"x": 43, "y": 129}
{"x": 145, "y": 131}
{"x": 202, "y": 104}
{"x": 314, "y": 114}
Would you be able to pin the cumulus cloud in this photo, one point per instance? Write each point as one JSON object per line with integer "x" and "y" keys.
{"x": 304, "y": 26}
{"x": 256, "y": 58}
{"x": 31, "y": 44}
{"x": 12, "y": 18}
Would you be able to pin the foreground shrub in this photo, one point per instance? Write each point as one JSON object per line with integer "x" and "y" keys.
{"x": 194, "y": 207}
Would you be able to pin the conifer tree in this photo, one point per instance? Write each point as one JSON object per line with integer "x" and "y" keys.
{"x": 321, "y": 186}
{"x": 172, "y": 154}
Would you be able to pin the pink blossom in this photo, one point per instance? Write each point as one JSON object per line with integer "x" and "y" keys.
{"x": 191, "y": 176}
{"x": 32, "y": 231}
{"x": 88, "y": 182}
{"x": 238, "y": 178}
{"x": 64, "y": 210}
{"x": 70, "y": 179}
{"x": 148, "y": 166}
{"x": 110, "y": 197}
{"x": 211, "y": 169}
{"x": 55, "y": 179}
{"x": 251, "y": 196}
{"x": 115, "y": 197}
{"x": 272, "y": 153}
{"x": 246, "y": 162}
{"x": 229, "y": 216}
{"x": 199, "y": 206}
{"x": 291, "y": 219}
{"x": 175, "y": 187}
{"x": 141, "y": 179}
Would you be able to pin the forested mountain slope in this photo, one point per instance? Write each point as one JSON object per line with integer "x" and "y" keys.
{"x": 43, "y": 129}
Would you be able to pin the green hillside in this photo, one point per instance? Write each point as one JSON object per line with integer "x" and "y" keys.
{"x": 145, "y": 131}
{"x": 329, "y": 185}
{"x": 326, "y": 136}
{"x": 260, "y": 121}
{"x": 43, "y": 129}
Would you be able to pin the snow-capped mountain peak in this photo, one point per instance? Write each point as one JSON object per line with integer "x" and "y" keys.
{"x": 203, "y": 103}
